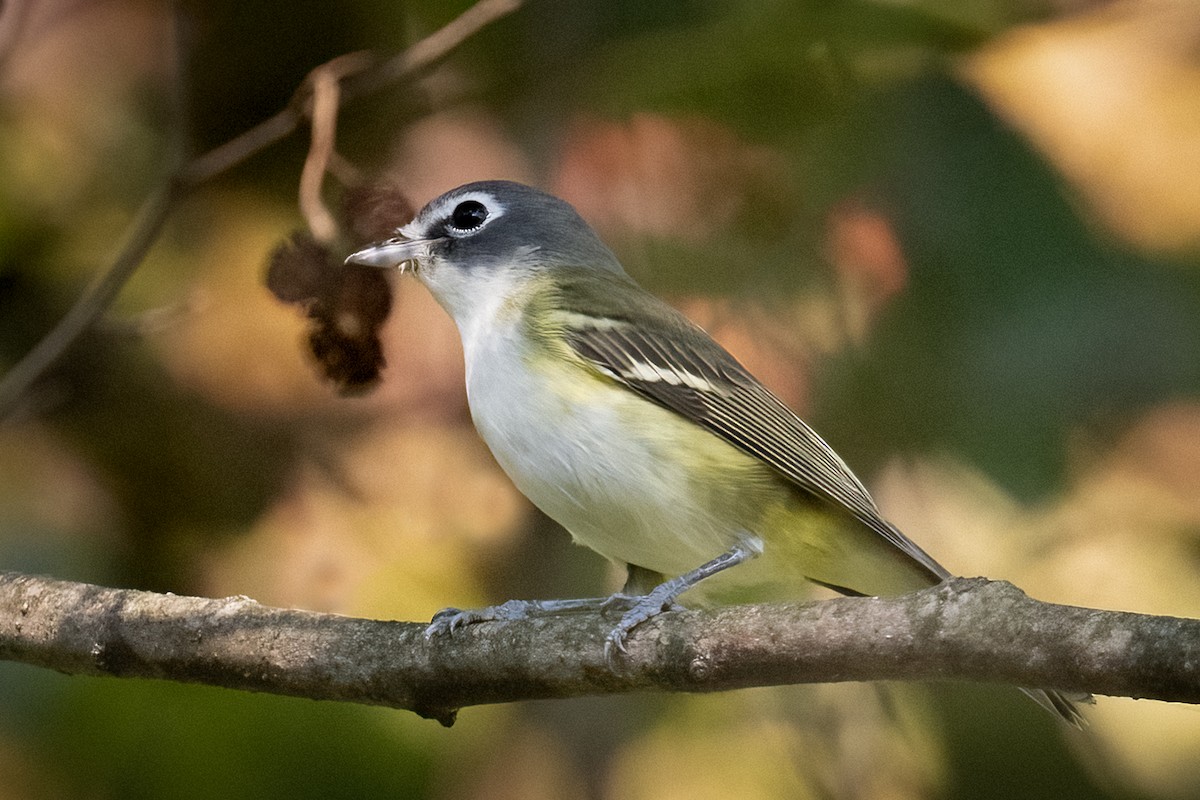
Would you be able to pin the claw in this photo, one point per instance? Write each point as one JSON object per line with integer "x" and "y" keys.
{"x": 641, "y": 609}
{"x": 447, "y": 621}
{"x": 662, "y": 597}
{"x": 614, "y": 644}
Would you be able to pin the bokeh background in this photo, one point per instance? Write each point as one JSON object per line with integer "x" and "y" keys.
{"x": 962, "y": 238}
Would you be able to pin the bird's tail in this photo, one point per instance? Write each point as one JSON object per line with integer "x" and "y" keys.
{"x": 1058, "y": 703}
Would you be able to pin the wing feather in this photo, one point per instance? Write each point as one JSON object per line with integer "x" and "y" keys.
{"x": 671, "y": 361}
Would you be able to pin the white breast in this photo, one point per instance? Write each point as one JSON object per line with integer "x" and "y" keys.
{"x": 565, "y": 440}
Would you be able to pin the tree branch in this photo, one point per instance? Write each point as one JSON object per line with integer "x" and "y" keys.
{"x": 968, "y": 629}
{"x": 415, "y": 60}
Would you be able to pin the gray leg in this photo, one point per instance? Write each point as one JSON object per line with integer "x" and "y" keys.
{"x": 638, "y": 583}
{"x": 638, "y": 609}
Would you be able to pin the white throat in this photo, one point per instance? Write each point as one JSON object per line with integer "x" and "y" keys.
{"x": 485, "y": 306}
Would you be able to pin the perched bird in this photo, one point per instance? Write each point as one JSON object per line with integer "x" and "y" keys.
{"x": 628, "y": 425}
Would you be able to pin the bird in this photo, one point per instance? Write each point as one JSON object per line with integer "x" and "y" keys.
{"x": 631, "y": 427}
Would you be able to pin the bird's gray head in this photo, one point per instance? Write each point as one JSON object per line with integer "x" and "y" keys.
{"x": 486, "y": 232}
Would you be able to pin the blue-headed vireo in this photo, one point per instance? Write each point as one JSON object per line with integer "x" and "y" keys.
{"x": 627, "y": 424}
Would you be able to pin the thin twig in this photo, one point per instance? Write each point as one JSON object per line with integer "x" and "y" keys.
{"x": 148, "y": 223}
{"x": 433, "y": 48}
{"x": 94, "y": 301}
{"x": 326, "y": 88}
{"x": 99, "y": 296}
{"x": 416, "y": 59}
{"x": 345, "y": 172}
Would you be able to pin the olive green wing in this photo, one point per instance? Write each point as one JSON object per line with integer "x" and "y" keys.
{"x": 671, "y": 361}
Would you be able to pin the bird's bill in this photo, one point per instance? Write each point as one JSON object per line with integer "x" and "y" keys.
{"x": 400, "y": 252}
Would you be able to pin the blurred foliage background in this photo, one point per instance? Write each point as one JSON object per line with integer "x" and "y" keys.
{"x": 963, "y": 238}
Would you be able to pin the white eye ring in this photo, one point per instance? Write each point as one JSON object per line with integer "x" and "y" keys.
{"x": 465, "y": 214}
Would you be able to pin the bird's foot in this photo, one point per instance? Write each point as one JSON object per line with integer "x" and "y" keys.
{"x": 662, "y": 597}
{"x": 636, "y": 611}
{"x": 448, "y": 620}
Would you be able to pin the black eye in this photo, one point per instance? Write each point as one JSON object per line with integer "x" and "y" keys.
{"x": 468, "y": 215}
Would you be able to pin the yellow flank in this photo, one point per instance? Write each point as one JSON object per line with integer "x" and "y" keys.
{"x": 835, "y": 549}
{"x": 693, "y": 494}
{"x": 684, "y": 494}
